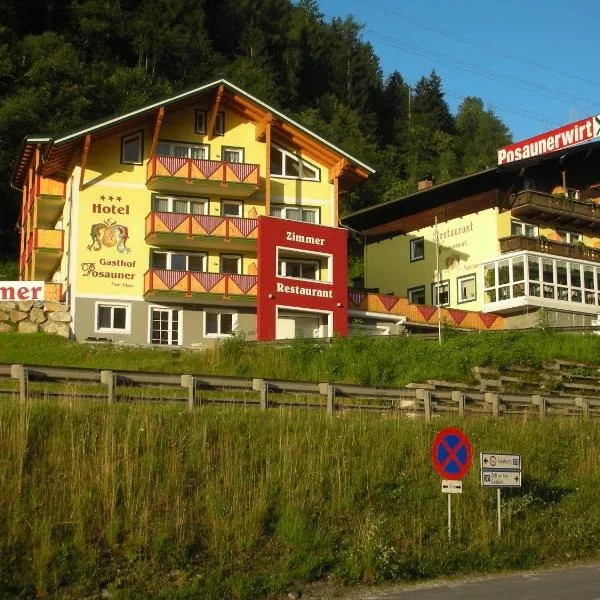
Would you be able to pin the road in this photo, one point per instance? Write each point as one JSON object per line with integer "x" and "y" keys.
{"x": 581, "y": 582}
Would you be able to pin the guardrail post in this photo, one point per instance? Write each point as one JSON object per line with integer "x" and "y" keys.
{"x": 326, "y": 389}
{"x": 425, "y": 395}
{"x": 491, "y": 398}
{"x": 539, "y": 401}
{"x": 459, "y": 398}
{"x": 189, "y": 382}
{"x": 21, "y": 373}
{"x": 108, "y": 378}
{"x": 584, "y": 403}
{"x": 262, "y": 386}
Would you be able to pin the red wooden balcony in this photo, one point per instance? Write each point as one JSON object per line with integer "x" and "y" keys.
{"x": 176, "y": 230}
{"x": 195, "y": 285}
{"x": 49, "y": 194}
{"x": 192, "y": 175}
{"x": 45, "y": 249}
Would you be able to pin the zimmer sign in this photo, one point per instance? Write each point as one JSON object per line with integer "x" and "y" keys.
{"x": 21, "y": 290}
{"x": 557, "y": 139}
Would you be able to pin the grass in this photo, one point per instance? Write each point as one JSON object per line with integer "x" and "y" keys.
{"x": 153, "y": 502}
{"x": 357, "y": 359}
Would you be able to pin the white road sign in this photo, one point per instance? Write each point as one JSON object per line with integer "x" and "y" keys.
{"x": 500, "y": 479}
{"x": 491, "y": 461}
{"x": 451, "y": 486}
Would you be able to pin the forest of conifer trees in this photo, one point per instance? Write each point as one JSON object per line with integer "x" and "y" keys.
{"x": 65, "y": 63}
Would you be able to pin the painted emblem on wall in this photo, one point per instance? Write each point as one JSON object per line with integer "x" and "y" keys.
{"x": 110, "y": 234}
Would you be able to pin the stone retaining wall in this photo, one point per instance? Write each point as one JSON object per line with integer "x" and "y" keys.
{"x": 32, "y": 316}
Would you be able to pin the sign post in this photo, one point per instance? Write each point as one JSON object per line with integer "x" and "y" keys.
{"x": 451, "y": 455}
{"x": 500, "y": 471}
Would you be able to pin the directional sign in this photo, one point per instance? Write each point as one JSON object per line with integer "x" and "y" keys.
{"x": 500, "y": 461}
{"x": 450, "y": 486}
{"x": 451, "y": 453}
{"x": 500, "y": 479}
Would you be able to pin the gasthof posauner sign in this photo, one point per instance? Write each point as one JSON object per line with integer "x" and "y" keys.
{"x": 19, "y": 291}
{"x": 557, "y": 139}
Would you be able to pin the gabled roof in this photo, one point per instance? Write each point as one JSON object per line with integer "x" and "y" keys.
{"x": 62, "y": 146}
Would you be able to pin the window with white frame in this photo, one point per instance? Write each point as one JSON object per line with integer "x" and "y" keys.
{"x": 175, "y": 204}
{"x": 295, "y": 213}
{"x": 183, "y": 150}
{"x": 132, "y": 147}
{"x": 525, "y": 229}
{"x": 416, "y": 295}
{"x": 231, "y": 263}
{"x": 417, "y": 249}
{"x": 113, "y": 318}
{"x": 232, "y": 155}
{"x": 535, "y": 276}
{"x": 303, "y": 269}
{"x": 568, "y": 237}
{"x": 178, "y": 261}
{"x": 467, "y": 291}
{"x": 231, "y": 208}
{"x": 219, "y": 323}
{"x": 165, "y": 326}
{"x": 286, "y": 164}
{"x": 444, "y": 290}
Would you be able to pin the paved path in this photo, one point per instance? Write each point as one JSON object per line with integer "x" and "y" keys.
{"x": 569, "y": 583}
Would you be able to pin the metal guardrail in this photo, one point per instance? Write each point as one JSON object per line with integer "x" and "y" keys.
{"x": 421, "y": 400}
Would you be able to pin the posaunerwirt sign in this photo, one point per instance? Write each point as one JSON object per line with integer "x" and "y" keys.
{"x": 551, "y": 141}
{"x": 19, "y": 291}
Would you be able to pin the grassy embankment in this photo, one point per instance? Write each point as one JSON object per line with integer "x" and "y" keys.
{"x": 373, "y": 361}
{"x": 152, "y": 502}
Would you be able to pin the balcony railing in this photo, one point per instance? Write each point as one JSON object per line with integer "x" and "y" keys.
{"x": 162, "y": 227}
{"x": 202, "y": 176}
{"x": 538, "y": 207}
{"x": 421, "y": 314}
{"x": 53, "y": 292}
{"x": 50, "y": 196}
{"x": 521, "y": 242}
{"x": 48, "y": 246}
{"x": 196, "y": 283}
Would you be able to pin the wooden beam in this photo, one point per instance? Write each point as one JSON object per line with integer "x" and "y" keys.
{"x": 212, "y": 115}
{"x": 157, "y": 123}
{"x": 84, "y": 156}
{"x": 261, "y": 127}
{"x": 336, "y": 170}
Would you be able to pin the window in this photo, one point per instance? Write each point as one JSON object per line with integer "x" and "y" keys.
{"x": 231, "y": 263}
{"x": 444, "y": 289}
{"x": 183, "y": 150}
{"x": 296, "y": 213}
{"x": 567, "y": 237}
{"x": 525, "y": 229}
{"x": 417, "y": 249}
{"x": 132, "y": 148}
{"x": 232, "y": 155}
{"x": 416, "y": 295}
{"x": 200, "y": 126}
{"x": 113, "y": 318}
{"x": 303, "y": 269}
{"x": 220, "y": 124}
{"x": 231, "y": 208}
{"x": 173, "y": 204}
{"x": 164, "y": 326}
{"x": 286, "y": 164}
{"x": 466, "y": 289}
{"x": 176, "y": 261}
{"x": 217, "y": 324}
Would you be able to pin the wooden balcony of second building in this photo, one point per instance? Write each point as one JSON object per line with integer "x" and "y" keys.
{"x": 192, "y": 231}
{"x": 577, "y": 251}
{"x": 199, "y": 176}
{"x": 194, "y": 286}
{"x": 556, "y": 210}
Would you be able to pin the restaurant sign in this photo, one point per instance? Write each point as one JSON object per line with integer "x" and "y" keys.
{"x": 557, "y": 139}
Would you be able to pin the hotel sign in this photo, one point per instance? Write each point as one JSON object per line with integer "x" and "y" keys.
{"x": 557, "y": 139}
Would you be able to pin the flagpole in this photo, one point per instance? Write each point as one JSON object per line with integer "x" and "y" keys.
{"x": 437, "y": 277}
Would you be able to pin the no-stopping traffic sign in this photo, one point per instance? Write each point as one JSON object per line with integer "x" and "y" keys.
{"x": 451, "y": 453}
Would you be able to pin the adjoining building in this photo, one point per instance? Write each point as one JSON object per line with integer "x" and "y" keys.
{"x": 509, "y": 240}
{"x": 154, "y": 225}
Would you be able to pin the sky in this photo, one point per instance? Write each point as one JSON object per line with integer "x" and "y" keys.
{"x": 531, "y": 61}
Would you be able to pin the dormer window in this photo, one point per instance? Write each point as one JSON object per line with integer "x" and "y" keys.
{"x": 286, "y": 164}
